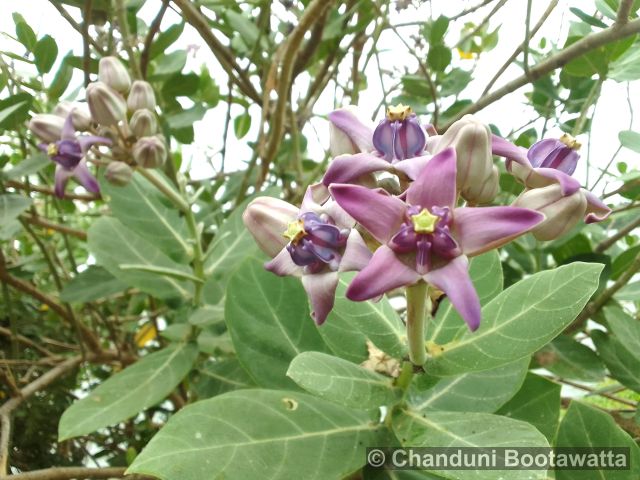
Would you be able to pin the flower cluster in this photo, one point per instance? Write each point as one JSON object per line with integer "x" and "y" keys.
{"x": 423, "y": 225}
{"x": 119, "y": 114}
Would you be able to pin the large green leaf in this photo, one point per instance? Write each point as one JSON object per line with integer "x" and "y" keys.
{"x": 217, "y": 377}
{"x": 486, "y": 274}
{"x": 625, "y": 328}
{"x": 537, "y": 402}
{"x": 623, "y": 365}
{"x": 268, "y": 318}
{"x": 140, "y": 208}
{"x": 114, "y": 245}
{"x": 484, "y": 391}
{"x": 92, "y": 284}
{"x": 520, "y": 320}
{"x": 585, "y": 426}
{"x": 11, "y": 206}
{"x": 567, "y": 358}
{"x": 137, "y": 387}
{"x": 248, "y": 434}
{"x": 341, "y": 381}
{"x": 627, "y": 67}
{"x": 350, "y": 324}
{"x": 468, "y": 429}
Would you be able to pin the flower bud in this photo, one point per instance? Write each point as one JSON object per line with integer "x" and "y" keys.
{"x": 562, "y": 212}
{"x": 80, "y": 115}
{"x": 106, "y": 105}
{"x": 118, "y": 173}
{"x": 112, "y": 72}
{"x": 150, "y": 152}
{"x": 349, "y": 132}
{"x": 143, "y": 123}
{"x": 267, "y": 218}
{"x": 46, "y": 127}
{"x": 476, "y": 178}
{"x": 141, "y": 96}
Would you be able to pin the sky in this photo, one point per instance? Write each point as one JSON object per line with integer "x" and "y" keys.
{"x": 612, "y": 114}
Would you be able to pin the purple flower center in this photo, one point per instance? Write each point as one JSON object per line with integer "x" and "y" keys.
{"x": 427, "y": 235}
{"x": 315, "y": 242}
{"x": 66, "y": 153}
{"x": 399, "y": 136}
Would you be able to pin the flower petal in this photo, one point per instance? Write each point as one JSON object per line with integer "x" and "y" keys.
{"x": 349, "y": 168}
{"x": 412, "y": 167}
{"x": 453, "y": 279}
{"x": 283, "y": 265}
{"x": 321, "y": 289}
{"x": 85, "y": 177}
{"x": 62, "y": 176}
{"x": 87, "y": 141}
{"x": 376, "y": 210}
{"x": 480, "y": 229}
{"x": 68, "y": 132}
{"x": 504, "y": 148}
{"x": 384, "y": 138}
{"x": 541, "y": 177}
{"x": 356, "y": 254}
{"x": 348, "y": 122}
{"x": 436, "y": 184}
{"x": 383, "y": 273}
{"x": 597, "y": 211}
{"x": 267, "y": 218}
{"x": 314, "y": 197}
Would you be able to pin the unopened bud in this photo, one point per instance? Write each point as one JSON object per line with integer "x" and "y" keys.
{"x": 141, "y": 96}
{"x": 106, "y": 105}
{"x": 266, "y": 218}
{"x": 150, "y": 152}
{"x": 118, "y": 173}
{"x": 562, "y": 212}
{"x": 143, "y": 123}
{"x": 112, "y": 72}
{"x": 46, "y": 127}
{"x": 80, "y": 115}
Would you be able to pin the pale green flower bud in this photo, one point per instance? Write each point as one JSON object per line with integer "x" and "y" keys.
{"x": 113, "y": 73}
{"x": 46, "y": 126}
{"x": 141, "y": 96}
{"x": 150, "y": 152}
{"x": 80, "y": 115}
{"x": 143, "y": 123}
{"x": 118, "y": 173}
{"x": 106, "y": 105}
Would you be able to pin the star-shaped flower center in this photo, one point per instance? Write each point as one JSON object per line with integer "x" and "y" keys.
{"x": 295, "y": 231}
{"x": 424, "y": 222}
{"x": 398, "y": 112}
{"x": 52, "y": 149}
{"x": 570, "y": 142}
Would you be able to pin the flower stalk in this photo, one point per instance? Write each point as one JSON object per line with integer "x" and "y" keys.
{"x": 417, "y": 303}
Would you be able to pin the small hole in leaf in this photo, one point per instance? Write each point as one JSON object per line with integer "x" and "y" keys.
{"x": 290, "y": 403}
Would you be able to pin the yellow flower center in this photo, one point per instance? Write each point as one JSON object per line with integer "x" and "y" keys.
{"x": 570, "y": 142}
{"x": 398, "y": 112}
{"x": 295, "y": 231}
{"x": 424, "y": 222}
{"x": 52, "y": 149}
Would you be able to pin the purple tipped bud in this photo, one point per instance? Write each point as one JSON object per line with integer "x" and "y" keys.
{"x": 46, "y": 127}
{"x": 562, "y": 212}
{"x": 349, "y": 132}
{"x": 477, "y": 180}
{"x": 80, "y": 116}
{"x": 118, "y": 173}
{"x": 150, "y": 152}
{"x": 106, "y": 105}
{"x": 113, "y": 73}
{"x": 561, "y": 154}
{"x": 141, "y": 96}
{"x": 143, "y": 123}
{"x": 267, "y": 218}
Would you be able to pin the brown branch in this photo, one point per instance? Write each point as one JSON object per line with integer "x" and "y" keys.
{"x": 44, "y": 223}
{"x": 581, "y": 47}
{"x": 224, "y": 55}
{"x": 49, "y": 191}
{"x": 27, "y": 341}
{"x": 471, "y": 9}
{"x": 77, "y": 473}
{"x": 623, "y": 12}
{"x": 288, "y": 56}
{"x": 608, "y": 242}
{"x": 75, "y": 25}
{"x": 311, "y": 45}
{"x": 86, "y": 52}
{"x": 153, "y": 30}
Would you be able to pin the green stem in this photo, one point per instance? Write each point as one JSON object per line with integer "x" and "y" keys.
{"x": 166, "y": 190}
{"x": 198, "y": 256}
{"x": 416, "y": 316}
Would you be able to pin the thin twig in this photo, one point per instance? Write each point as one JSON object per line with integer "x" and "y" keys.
{"x": 623, "y": 232}
{"x": 481, "y": 25}
{"x": 77, "y": 473}
{"x": 86, "y": 53}
{"x": 471, "y": 10}
{"x": 623, "y": 11}
{"x": 44, "y": 223}
{"x": 75, "y": 25}
{"x": 153, "y": 30}
{"x": 121, "y": 13}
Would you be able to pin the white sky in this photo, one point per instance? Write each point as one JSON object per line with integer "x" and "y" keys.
{"x": 612, "y": 113}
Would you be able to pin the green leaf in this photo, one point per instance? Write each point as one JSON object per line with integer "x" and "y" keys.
{"x": 439, "y": 57}
{"x": 186, "y": 118}
{"x": 625, "y": 328}
{"x": 242, "y": 124}
{"x": 169, "y": 64}
{"x": 520, "y": 320}
{"x": 630, "y": 140}
{"x": 114, "y": 244}
{"x": 13, "y": 117}
{"x": 630, "y": 292}
{"x": 350, "y": 324}
{"x": 468, "y": 429}
{"x": 165, "y": 39}
{"x": 11, "y": 206}
{"x": 486, "y": 273}
{"x": 181, "y": 85}
{"x": 438, "y": 29}
{"x": 341, "y": 381}
{"x": 627, "y": 67}
{"x": 61, "y": 81}
{"x": 268, "y": 318}
{"x": 45, "y": 52}
{"x": 140, "y": 207}
{"x": 240, "y": 23}
{"x": 218, "y": 377}
{"x": 138, "y": 387}
{"x": 572, "y": 360}
{"x": 207, "y": 315}
{"x": 9, "y": 111}
{"x": 585, "y": 17}
{"x": 484, "y": 391}
{"x": 623, "y": 365}
{"x": 583, "y": 427}
{"x": 32, "y": 164}
{"x": 266, "y": 434}
{"x": 24, "y": 32}
{"x": 538, "y": 403}
{"x": 92, "y": 284}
